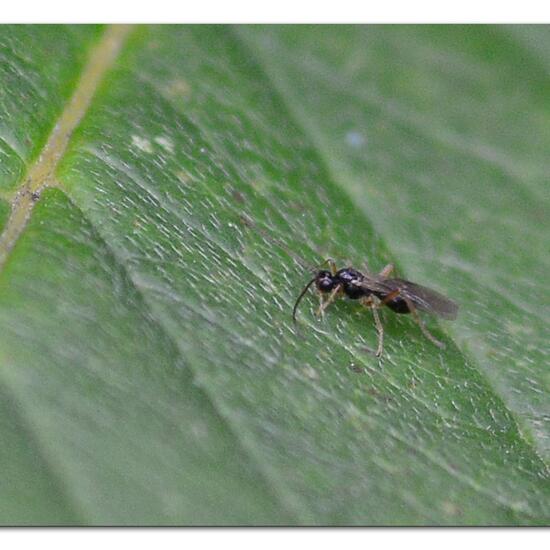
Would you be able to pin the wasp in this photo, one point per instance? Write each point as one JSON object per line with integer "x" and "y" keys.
{"x": 376, "y": 291}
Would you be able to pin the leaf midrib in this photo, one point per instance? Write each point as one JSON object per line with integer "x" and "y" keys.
{"x": 42, "y": 172}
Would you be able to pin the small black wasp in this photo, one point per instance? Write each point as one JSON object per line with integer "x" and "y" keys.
{"x": 375, "y": 291}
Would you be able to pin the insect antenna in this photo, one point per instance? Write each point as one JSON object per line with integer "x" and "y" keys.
{"x": 299, "y": 299}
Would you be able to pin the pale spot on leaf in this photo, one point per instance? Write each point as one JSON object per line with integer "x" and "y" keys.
{"x": 166, "y": 143}
{"x": 143, "y": 144}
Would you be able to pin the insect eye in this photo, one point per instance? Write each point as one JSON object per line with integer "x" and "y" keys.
{"x": 325, "y": 282}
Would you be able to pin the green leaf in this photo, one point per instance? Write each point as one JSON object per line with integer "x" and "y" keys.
{"x": 149, "y": 369}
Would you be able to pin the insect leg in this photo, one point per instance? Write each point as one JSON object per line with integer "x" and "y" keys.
{"x": 386, "y": 271}
{"x": 329, "y": 300}
{"x": 373, "y": 306}
{"x": 332, "y": 265}
{"x": 389, "y": 297}
{"x": 321, "y": 309}
{"x": 379, "y": 330}
{"x": 421, "y": 324}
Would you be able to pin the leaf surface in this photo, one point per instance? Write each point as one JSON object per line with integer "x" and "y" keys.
{"x": 149, "y": 368}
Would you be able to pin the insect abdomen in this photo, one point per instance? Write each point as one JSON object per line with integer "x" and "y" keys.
{"x": 398, "y": 305}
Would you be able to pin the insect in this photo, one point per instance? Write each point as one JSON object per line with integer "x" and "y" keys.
{"x": 376, "y": 291}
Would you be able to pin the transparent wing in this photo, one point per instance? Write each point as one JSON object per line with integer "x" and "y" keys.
{"x": 426, "y": 299}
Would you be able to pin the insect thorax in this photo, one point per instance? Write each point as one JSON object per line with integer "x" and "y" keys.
{"x": 351, "y": 279}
